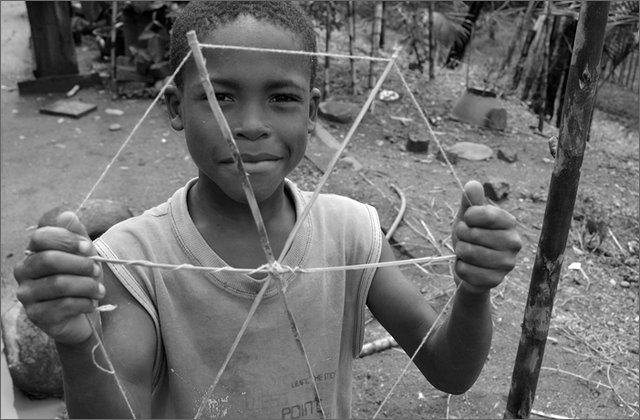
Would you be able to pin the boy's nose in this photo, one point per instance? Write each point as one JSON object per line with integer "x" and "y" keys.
{"x": 251, "y": 124}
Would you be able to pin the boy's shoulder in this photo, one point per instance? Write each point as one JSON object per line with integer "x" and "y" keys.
{"x": 152, "y": 222}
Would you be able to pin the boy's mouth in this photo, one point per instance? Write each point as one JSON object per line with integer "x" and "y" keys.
{"x": 250, "y": 158}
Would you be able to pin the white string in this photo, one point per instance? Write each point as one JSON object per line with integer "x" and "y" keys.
{"x": 130, "y": 136}
{"x": 295, "y": 52}
{"x": 275, "y": 268}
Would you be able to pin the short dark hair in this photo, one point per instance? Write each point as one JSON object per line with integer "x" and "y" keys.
{"x": 205, "y": 16}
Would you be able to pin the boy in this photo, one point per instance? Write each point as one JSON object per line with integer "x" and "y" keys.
{"x": 172, "y": 329}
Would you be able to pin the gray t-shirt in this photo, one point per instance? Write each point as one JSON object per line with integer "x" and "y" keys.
{"x": 198, "y": 315}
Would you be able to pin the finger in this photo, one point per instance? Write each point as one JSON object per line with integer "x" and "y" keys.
{"x": 70, "y": 221}
{"x": 498, "y": 239}
{"x": 53, "y": 262}
{"x": 61, "y": 239}
{"x": 57, "y": 311}
{"x": 484, "y": 257}
{"x": 57, "y": 287}
{"x": 472, "y": 195}
{"x": 478, "y": 277}
{"x": 489, "y": 217}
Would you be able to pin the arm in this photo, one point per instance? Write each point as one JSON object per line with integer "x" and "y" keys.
{"x": 59, "y": 287}
{"x": 486, "y": 244}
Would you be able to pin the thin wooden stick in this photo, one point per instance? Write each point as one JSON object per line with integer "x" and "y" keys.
{"x": 581, "y": 89}
{"x": 548, "y": 415}
{"x": 398, "y": 219}
{"x": 597, "y": 384}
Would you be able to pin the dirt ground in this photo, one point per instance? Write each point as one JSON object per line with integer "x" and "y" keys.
{"x": 590, "y": 366}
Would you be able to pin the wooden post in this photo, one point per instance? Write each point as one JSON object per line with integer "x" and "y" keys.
{"x": 432, "y": 74}
{"x": 328, "y": 19}
{"x": 375, "y": 40}
{"x": 351, "y": 19}
{"x": 517, "y": 72}
{"x": 53, "y": 46}
{"x": 112, "y": 53}
{"x": 576, "y": 118}
{"x": 544, "y": 74}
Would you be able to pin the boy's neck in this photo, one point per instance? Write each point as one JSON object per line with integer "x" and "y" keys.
{"x": 206, "y": 198}
{"x": 217, "y": 216}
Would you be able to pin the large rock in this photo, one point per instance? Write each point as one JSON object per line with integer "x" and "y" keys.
{"x": 97, "y": 215}
{"x": 31, "y": 356}
{"x": 471, "y": 151}
{"x": 338, "y": 111}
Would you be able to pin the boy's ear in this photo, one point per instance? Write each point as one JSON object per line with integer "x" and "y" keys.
{"x": 314, "y": 102}
{"x": 173, "y": 97}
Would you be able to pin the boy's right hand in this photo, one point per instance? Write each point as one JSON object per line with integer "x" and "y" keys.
{"x": 58, "y": 284}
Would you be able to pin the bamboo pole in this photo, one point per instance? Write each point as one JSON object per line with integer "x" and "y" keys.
{"x": 524, "y": 52}
{"x": 544, "y": 74}
{"x": 576, "y": 118}
{"x": 375, "y": 40}
{"x": 327, "y": 41}
{"x": 112, "y": 52}
{"x": 351, "y": 19}
{"x": 432, "y": 74}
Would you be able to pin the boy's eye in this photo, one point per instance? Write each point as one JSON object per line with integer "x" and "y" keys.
{"x": 223, "y": 97}
{"x": 283, "y": 98}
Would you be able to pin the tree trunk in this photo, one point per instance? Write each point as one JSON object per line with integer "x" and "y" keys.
{"x": 351, "y": 21}
{"x": 327, "y": 40}
{"x": 456, "y": 54}
{"x": 432, "y": 74}
{"x": 382, "y": 25}
{"x": 517, "y": 73}
{"x": 532, "y": 63}
{"x": 542, "y": 85}
{"x": 524, "y": 21}
{"x": 375, "y": 40}
{"x": 634, "y": 69}
{"x": 581, "y": 89}
{"x": 53, "y": 46}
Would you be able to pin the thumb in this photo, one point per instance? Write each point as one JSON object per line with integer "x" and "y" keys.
{"x": 473, "y": 195}
{"x": 70, "y": 221}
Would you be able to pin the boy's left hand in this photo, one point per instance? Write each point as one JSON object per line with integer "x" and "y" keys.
{"x": 485, "y": 241}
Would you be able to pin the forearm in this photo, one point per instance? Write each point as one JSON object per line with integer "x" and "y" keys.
{"x": 91, "y": 392}
{"x": 458, "y": 348}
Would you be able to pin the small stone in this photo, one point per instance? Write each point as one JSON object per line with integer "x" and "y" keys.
{"x": 612, "y": 282}
{"x": 507, "y": 156}
{"x": 115, "y": 127}
{"x": 496, "y": 189}
{"x": 97, "y": 215}
{"x": 338, "y": 111}
{"x": 625, "y": 284}
{"x": 452, "y": 157}
{"x": 351, "y": 162}
{"x": 497, "y": 119}
{"x": 113, "y": 111}
{"x": 417, "y": 144}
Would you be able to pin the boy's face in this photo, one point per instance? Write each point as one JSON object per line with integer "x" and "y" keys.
{"x": 266, "y": 99}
